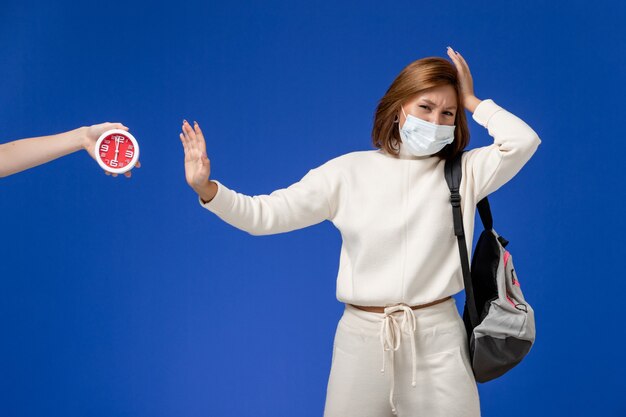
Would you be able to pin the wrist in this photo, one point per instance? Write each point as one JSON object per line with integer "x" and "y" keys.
{"x": 207, "y": 191}
{"x": 82, "y": 138}
{"x": 471, "y": 103}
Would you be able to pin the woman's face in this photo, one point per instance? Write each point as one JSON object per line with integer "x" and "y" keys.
{"x": 435, "y": 105}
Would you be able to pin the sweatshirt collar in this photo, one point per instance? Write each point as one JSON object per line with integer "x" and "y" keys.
{"x": 406, "y": 154}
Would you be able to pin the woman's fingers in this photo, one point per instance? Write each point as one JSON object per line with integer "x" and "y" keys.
{"x": 188, "y": 143}
{"x": 186, "y": 134}
{"x": 190, "y": 133}
{"x": 461, "y": 66}
{"x": 185, "y": 144}
{"x": 466, "y": 72}
{"x": 459, "y": 61}
{"x": 466, "y": 83}
{"x": 463, "y": 62}
{"x": 192, "y": 141}
{"x": 455, "y": 57}
{"x": 451, "y": 53}
{"x": 118, "y": 126}
{"x": 200, "y": 137}
{"x": 456, "y": 60}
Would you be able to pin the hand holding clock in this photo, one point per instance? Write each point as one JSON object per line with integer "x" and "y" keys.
{"x": 22, "y": 154}
{"x": 105, "y": 155}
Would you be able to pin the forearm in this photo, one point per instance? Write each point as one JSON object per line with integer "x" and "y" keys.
{"x": 23, "y": 154}
{"x": 514, "y": 143}
{"x": 302, "y": 204}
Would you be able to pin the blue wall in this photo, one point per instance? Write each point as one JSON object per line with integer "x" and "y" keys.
{"x": 124, "y": 298}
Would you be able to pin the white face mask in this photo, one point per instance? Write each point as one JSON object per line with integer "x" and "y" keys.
{"x": 423, "y": 138}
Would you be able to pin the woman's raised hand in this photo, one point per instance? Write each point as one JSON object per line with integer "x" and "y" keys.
{"x": 466, "y": 82}
{"x": 197, "y": 164}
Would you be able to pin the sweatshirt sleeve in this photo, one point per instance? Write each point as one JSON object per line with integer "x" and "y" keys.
{"x": 490, "y": 167}
{"x": 302, "y": 204}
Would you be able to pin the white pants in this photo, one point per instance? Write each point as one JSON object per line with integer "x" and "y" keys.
{"x": 436, "y": 363}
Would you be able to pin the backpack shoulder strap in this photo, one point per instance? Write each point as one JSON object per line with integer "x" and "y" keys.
{"x": 453, "y": 173}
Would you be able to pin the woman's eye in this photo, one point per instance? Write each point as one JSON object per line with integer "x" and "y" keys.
{"x": 449, "y": 114}
{"x": 425, "y": 107}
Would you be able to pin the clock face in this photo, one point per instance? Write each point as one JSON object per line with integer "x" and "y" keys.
{"x": 117, "y": 151}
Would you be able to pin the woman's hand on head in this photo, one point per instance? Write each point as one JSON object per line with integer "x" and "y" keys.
{"x": 91, "y": 135}
{"x": 197, "y": 163}
{"x": 466, "y": 83}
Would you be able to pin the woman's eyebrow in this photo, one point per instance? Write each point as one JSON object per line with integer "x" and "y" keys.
{"x": 433, "y": 104}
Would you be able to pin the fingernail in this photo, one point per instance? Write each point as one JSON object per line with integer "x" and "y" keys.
{"x": 195, "y": 123}
{"x": 184, "y": 121}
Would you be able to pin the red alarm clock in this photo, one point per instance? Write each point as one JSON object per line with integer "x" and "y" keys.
{"x": 117, "y": 151}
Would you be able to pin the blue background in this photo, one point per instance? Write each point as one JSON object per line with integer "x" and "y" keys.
{"x": 125, "y": 298}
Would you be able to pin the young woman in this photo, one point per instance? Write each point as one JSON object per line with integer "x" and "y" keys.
{"x": 23, "y": 154}
{"x": 399, "y": 263}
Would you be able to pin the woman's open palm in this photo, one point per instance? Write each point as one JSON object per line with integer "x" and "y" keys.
{"x": 197, "y": 164}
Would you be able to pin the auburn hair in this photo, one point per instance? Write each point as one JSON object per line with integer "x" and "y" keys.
{"x": 416, "y": 77}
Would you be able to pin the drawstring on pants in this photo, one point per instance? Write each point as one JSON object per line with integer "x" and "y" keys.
{"x": 390, "y": 336}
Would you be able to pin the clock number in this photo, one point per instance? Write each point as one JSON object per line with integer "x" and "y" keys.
{"x": 113, "y": 163}
{"x": 104, "y": 148}
{"x": 129, "y": 153}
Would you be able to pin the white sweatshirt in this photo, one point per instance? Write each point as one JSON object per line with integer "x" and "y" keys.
{"x": 393, "y": 212}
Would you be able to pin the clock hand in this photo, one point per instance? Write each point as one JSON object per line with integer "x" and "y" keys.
{"x": 117, "y": 148}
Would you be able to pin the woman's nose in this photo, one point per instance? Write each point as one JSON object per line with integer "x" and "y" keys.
{"x": 436, "y": 119}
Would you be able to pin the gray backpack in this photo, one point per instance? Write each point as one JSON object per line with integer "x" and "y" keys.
{"x": 500, "y": 324}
